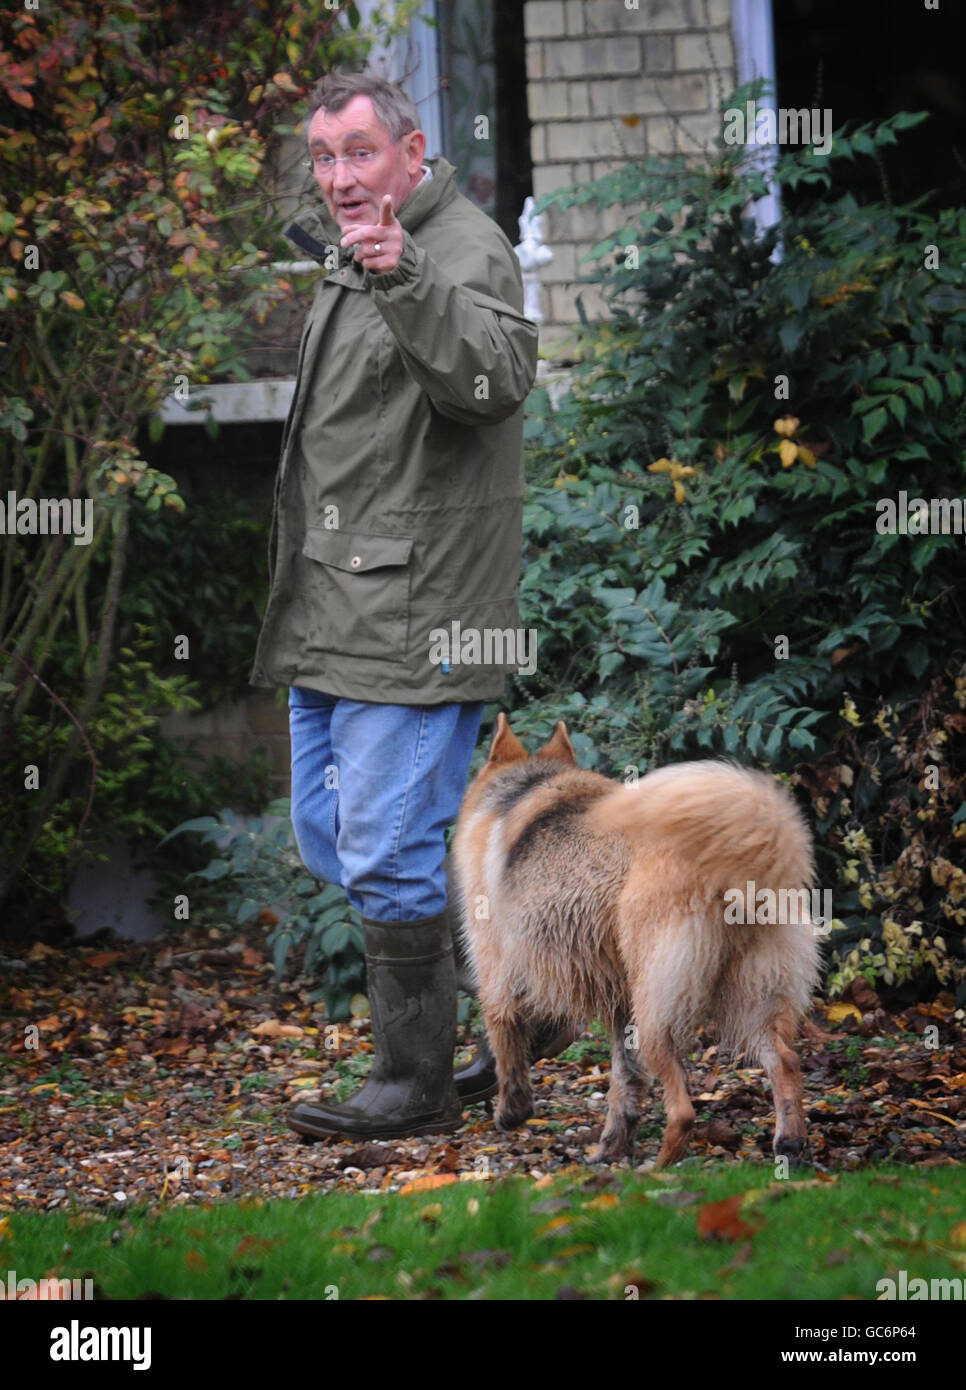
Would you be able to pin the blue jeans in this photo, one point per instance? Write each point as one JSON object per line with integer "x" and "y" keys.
{"x": 374, "y": 788}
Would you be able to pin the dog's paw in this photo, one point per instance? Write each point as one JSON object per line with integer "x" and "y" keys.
{"x": 795, "y": 1151}
{"x": 614, "y": 1150}
{"x": 507, "y": 1117}
{"x": 789, "y": 1148}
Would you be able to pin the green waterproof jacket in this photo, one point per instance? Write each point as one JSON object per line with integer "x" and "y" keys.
{"x": 399, "y": 495}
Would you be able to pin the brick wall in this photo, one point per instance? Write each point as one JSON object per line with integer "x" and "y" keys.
{"x": 236, "y": 730}
{"x": 591, "y": 63}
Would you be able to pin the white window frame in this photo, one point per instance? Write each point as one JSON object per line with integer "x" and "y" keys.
{"x": 416, "y": 53}
{"x": 753, "y": 30}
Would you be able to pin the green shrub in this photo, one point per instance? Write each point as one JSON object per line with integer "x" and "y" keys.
{"x": 200, "y": 575}
{"x": 258, "y": 870}
{"x": 703, "y": 564}
{"x": 134, "y": 785}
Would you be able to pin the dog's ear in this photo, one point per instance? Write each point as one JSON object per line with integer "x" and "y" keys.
{"x": 559, "y": 746}
{"x": 506, "y": 747}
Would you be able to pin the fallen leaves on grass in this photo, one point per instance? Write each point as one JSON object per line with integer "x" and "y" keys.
{"x": 722, "y": 1220}
{"x": 164, "y": 1070}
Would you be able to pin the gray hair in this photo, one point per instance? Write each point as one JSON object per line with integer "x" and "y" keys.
{"x": 392, "y": 106}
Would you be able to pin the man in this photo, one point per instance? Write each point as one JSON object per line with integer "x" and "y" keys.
{"x": 398, "y": 512}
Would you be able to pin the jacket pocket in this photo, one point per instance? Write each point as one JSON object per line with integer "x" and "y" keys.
{"x": 485, "y": 634}
{"x": 357, "y": 593}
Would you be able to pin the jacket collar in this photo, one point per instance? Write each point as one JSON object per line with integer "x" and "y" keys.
{"x": 314, "y": 229}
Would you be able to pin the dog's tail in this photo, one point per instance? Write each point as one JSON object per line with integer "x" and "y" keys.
{"x": 727, "y": 823}
{"x": 714, "y": 826}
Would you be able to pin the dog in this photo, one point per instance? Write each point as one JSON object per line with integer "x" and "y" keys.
{"x": 582, "y": 898}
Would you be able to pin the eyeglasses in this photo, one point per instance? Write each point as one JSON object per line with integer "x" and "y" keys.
{"x": 325, "y": 163}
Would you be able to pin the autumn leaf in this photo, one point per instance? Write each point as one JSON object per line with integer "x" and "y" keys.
{"x": 722, "y": 1220}
{"x": 252, "y": 1245}
{"x": 555, "y": 1225}
{"x": 426, "y": 1184}
{"x": 605, "y": 1202}
{"x": 936, "y": 1114}
{"x": 836, "y": 1012}
{"x": 937, "y": 1009}
{"x": 271, "y": 1028}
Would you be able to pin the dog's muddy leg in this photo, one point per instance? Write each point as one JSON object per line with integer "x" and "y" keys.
{"x": 624, "y": 1096}
{"x": 661, "y": 1059}
{"x": 509, "y": 1036}
{"x": 780, "y": 1061}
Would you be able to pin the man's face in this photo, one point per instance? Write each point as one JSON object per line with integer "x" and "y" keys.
{"x": 353, "y": 193}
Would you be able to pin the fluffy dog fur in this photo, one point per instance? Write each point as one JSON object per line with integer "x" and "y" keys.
{"x": 585, "y": 898}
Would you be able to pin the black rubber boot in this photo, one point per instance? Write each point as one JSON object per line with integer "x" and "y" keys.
{"x": 411, "y": 986}
{"x": 476, "y": 1080}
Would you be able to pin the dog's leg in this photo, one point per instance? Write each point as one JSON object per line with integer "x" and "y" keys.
{"x": 624, "y": 1095}
{"x": 780, "y": 1061}
{"x": 662, "y": 1060}
{"x": 509, "y": 1036}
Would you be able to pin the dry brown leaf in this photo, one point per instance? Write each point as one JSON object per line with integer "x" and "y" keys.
{"x": 722, "y": 1220}
{"x": 836, "y": 1012}
{"x": 426, "y": 1184}
{"x": 271, "y": 1028}
{"x": 936, "y": 1114}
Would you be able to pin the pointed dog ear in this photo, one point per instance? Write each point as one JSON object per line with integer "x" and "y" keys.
{"x": 559, "y": 746}
{"x": 506, "y": 747}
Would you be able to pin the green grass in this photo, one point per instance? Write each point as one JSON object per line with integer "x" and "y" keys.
{"x": 829, "y": 1240}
